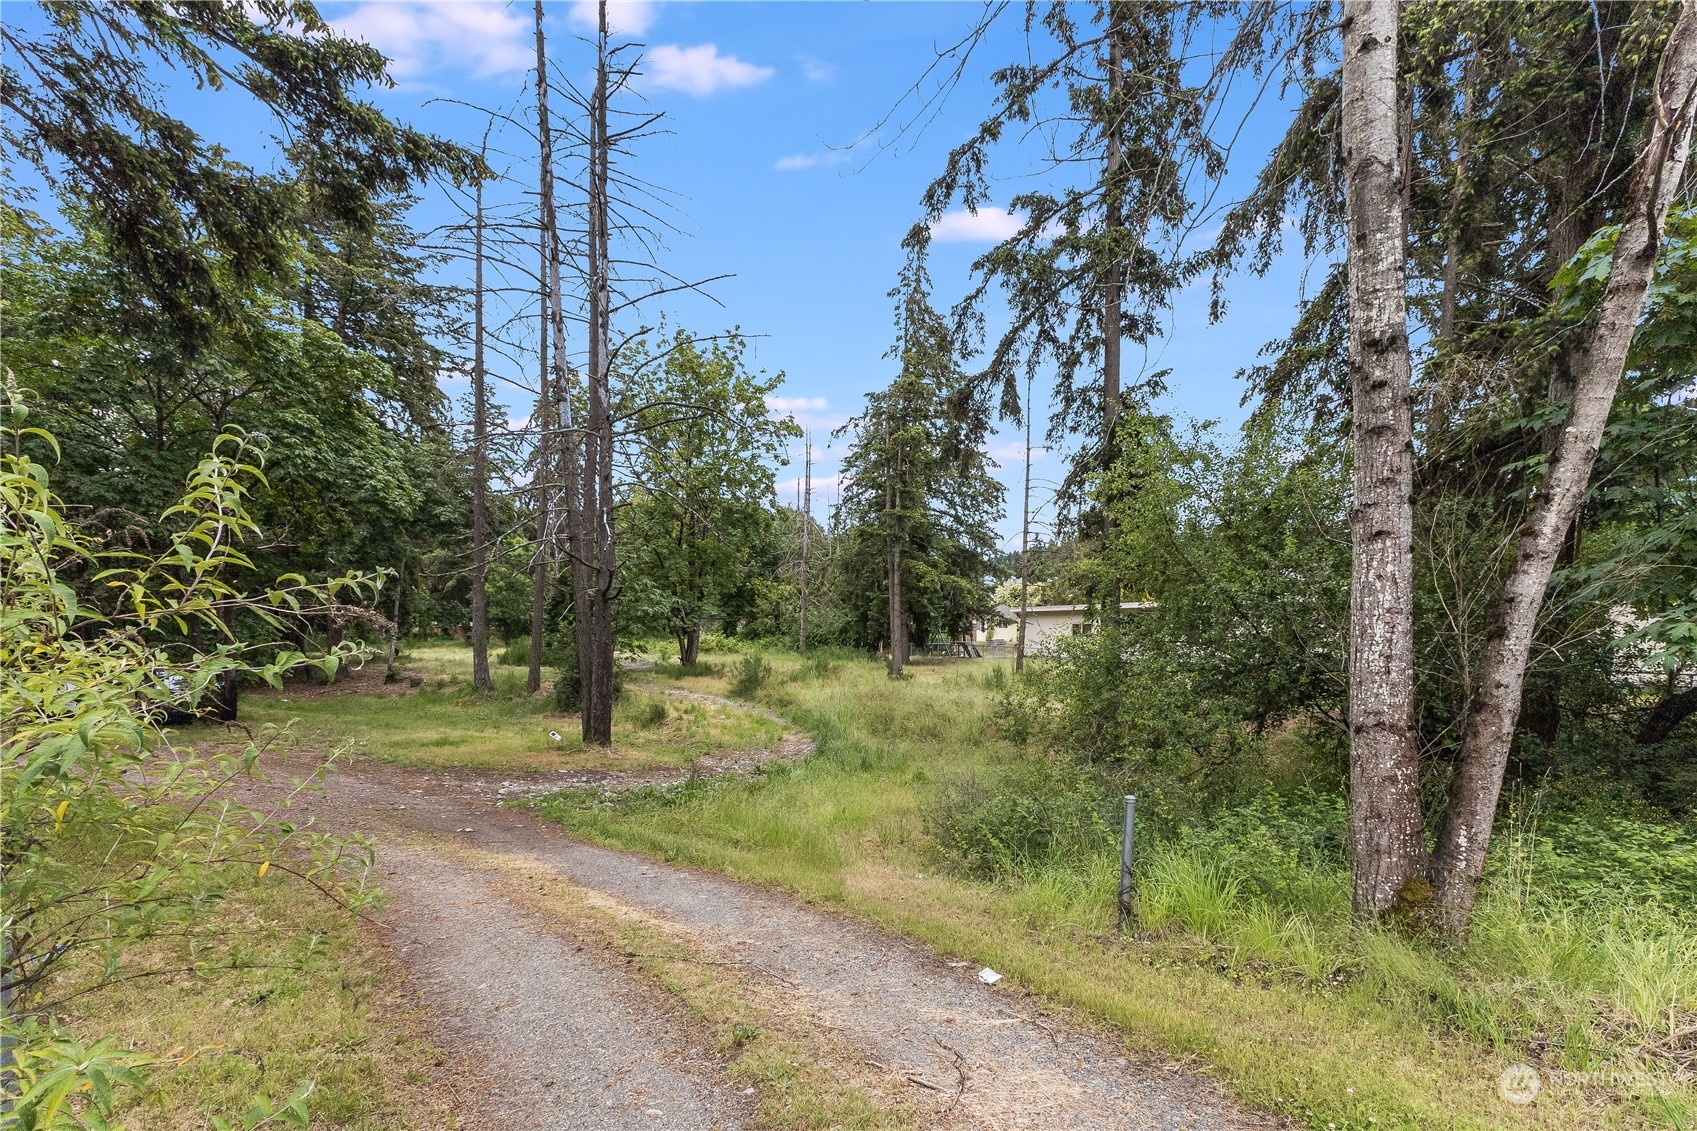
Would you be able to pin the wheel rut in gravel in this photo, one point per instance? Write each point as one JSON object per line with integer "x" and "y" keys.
{"x": 568, "y": 1041}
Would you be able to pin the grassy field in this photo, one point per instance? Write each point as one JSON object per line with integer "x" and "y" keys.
{"x": 443, "y": 725}
{"x": 1305, "y": 1014}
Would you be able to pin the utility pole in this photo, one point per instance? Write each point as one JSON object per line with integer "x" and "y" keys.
{"x": 1024, "y": 543}
{"x": 806, "y": 531}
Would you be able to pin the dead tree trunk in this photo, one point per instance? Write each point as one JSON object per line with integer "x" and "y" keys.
{"x": 1387, "y": 835}
{"x": 593, "y": 554}
{"x": 1597, "y": 368}
{"x": 479, "y": 469}
{"x": 892, "y": 515}
{"x": 542, "y": 422}
{"x": 394, "y": 626}
{"x": 561, "y": 427}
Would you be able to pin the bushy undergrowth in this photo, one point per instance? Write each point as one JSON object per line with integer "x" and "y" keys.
{"x": 1584, "y": 945}
{"x": 1245, "y": 953}
{"x": 1029, "y": 816}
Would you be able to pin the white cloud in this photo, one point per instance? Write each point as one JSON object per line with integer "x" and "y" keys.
{"x": 825, "y": 489}
{"x": 799, "y": 161}
{"x": 485, "y": 39}
{"x": 817, "y": 70}
{"x": 1013, "y": 452}
{"x": 701, "y": 70}
{"x": 989, "y": 224}
{"x": 624, "y": 17}
{"x": 797, "y": 404}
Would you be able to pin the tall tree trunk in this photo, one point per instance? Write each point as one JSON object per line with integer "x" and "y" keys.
{"x": 892, "y": 516}
{"x": 595, "y": 518}
{"x": 1387, "y": 835}
{"x": 565, "y": 445}
{"x": 689, "y": 645}
{"x": 1113, "y": 281}
{"x": 1597, "y": 368}
{"x": 479, "y": 469}
{"x": 898, "y": 612}
{"x": 542, "y": 421}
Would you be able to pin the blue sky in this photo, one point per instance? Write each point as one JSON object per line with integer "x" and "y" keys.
{"x": 762, "y": 101}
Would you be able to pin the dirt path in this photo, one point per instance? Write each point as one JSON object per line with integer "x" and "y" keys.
{"x": 571, "y": 1038}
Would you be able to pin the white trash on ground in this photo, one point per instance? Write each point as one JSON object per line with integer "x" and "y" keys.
{"x": 988, "y": 976}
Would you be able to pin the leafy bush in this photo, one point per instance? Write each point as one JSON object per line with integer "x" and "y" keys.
{"x": 715, "y": 643}
{"x": 107, "y": 839}
{"x": 1581, "y": 856}
{"x": 1028, "y": 816}
{"x": 752, "y": 674}
{"x": 1286, "y": 850}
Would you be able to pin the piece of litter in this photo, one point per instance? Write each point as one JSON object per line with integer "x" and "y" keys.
{"x": 652, "y": 1111}
{"x": 957, "y": 965}
{"x": 467, "y": 829}
{"x": 748, "y": 1091}
{"x": 555, "y": 735}
{"x": 988, "y": 976}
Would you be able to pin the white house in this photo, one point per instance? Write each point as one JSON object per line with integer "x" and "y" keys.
{"x": 1047, "y": 623}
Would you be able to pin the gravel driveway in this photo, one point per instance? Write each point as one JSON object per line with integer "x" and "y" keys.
{"x": 567, "y": 1038}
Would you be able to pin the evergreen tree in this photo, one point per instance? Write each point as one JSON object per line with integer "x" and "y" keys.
{"x": 918, "y": 505}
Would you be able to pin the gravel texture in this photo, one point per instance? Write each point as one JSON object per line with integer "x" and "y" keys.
{"x": 537, "y": 1010}
{"x": 565, "y": 1041}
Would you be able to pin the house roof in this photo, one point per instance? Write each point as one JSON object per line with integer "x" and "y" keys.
{"x": 1012, "y": 611}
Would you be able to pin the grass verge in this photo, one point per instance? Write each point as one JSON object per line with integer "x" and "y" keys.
{"x": 308, "y": 997}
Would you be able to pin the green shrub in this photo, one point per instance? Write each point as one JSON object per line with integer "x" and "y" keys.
{"x": 718, "y": 644}
{"x": 1024, "y": 818}
{"x": 1578, "y": 856}
{"x": 752, "y": 674}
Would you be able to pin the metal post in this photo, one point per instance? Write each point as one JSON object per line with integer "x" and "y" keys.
{"x": 1126, "y": 860}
